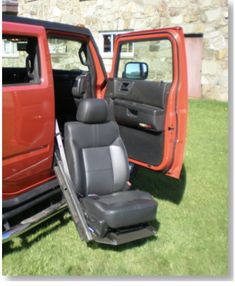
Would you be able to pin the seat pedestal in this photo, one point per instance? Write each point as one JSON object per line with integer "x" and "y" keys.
{"x": 115, "y": 238}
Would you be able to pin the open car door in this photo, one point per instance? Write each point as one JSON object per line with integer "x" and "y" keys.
{"x": 148, "y": 89}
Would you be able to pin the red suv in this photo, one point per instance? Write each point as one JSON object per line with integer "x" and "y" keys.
{"x": 67, "y": 127}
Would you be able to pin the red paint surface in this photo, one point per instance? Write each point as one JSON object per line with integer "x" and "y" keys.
{"x": 28, "y": 123}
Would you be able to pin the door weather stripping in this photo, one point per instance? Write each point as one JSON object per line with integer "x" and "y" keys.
{"x": 62, "y": 172}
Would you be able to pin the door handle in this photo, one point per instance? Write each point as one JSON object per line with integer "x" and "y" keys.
{"x": 132, "y": 112}
{"x": 124, "y": 86}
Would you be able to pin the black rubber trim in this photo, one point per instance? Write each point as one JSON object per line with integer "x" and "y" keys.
{"x": 30, "y": 194}
{"x": 53, "y": 26}
{"x": 193, "y": 35}
{"x": 47, "y": 24}
{"x": 116, "y": 67}
{"x": 15, "y": 211}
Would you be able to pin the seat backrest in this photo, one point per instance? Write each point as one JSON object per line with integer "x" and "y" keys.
{"x": 31, "y": 60}
{"x": 97, "y": 158}
{"x": 81, "y": 88}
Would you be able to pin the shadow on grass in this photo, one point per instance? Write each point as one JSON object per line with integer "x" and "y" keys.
{"x": 41, "y": 231}
{"x": 60, "y": 220}
{"x": 161, "y": 186}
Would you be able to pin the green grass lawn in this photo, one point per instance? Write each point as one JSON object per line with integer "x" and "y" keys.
{"x": 192, "y": 236}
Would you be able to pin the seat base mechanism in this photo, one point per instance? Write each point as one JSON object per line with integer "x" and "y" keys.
{"x": 115, "y": 238}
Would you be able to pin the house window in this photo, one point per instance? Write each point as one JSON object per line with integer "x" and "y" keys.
{"x": 106, "y": 44}
{"x": 9, "y": 49}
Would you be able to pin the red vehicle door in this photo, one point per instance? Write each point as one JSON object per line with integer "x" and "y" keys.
{"x": 28, "y": 109}
{"x": 148, "y": 89}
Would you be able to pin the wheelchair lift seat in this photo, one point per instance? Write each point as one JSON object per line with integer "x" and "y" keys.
{"x": 98, "y": 166}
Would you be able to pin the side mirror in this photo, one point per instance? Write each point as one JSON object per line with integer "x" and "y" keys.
{"x": 135, "y": 70}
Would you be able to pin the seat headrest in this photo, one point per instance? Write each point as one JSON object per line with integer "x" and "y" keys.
{"x": 92, "y": 111}
{"x": 31, "y": 46}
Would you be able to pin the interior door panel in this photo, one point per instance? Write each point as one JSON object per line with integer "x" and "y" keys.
{"x": 139, "y": 109}
{"x": 141, "y": 105}
{"x": 148, "y": 90}
{"x": 151, "y": 93}
{"x": 139, "y": 115}
{"x": 140, "y": 143}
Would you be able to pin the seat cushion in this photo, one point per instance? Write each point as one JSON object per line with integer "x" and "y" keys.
{"x": 121, "y": 209}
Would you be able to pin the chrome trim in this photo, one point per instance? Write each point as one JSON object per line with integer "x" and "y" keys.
{"x": 33, "y": 221}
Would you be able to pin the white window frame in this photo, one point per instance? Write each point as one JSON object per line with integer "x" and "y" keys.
{"x": 9, "y": 54}
{"x": 109, "y": 55}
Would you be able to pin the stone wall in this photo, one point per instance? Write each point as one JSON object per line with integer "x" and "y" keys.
{"x": 209, "y": 17}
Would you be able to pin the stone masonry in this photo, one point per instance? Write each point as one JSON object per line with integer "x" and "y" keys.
{"x": 209, "y": 17}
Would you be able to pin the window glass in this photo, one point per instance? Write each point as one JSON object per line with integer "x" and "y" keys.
{"x": 65, "y": 54}
{"x": 127, "y": 48}
{"x": 157, "y": 54}
{"x": 14, "y": 51}
{"x": 20, "y": 59}
{"x": 9, "y": 50}
{"x": 106, "y": 44}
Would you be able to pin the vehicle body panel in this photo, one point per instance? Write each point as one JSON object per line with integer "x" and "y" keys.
{"x": 29, "y": 109}
{"x": 28, "y": 122}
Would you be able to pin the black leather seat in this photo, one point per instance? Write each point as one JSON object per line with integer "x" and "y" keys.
{"x": 98, "y": 165}
{"x": 122, "y": 208}
{"x": 31, "y": 61}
